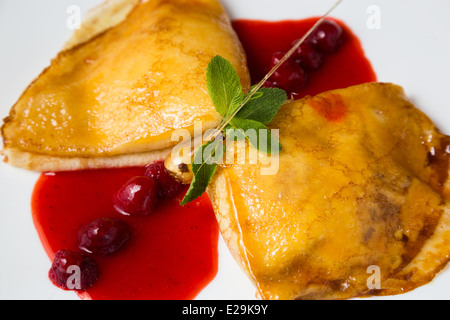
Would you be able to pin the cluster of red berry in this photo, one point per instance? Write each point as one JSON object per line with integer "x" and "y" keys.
{"x": 292, "y": 76}
{"x": 104, "y": 236}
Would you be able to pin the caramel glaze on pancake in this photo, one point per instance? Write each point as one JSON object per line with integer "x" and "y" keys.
{"x": 115, "y": 99}
{"x": 362, "y": 181}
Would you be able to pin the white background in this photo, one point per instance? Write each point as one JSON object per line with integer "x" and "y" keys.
{"x": 412, "y": 49}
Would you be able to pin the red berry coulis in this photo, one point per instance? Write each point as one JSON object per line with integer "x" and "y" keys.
{"x": 340, "y": 69}
{"x": 171, "y": 254}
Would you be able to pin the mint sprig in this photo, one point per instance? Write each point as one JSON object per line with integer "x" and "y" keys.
{"x": 203, "y": 169}
{"x": 245, "y": 113}
{"x": 223, "y": 84}
{"x": 257, "y": 134}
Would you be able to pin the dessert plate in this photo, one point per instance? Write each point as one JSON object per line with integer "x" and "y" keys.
{"x": 404, "y": 40}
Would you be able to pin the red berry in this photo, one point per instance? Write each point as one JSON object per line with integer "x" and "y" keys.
{"x": 308, "y": 57}
{"x": 103, "y": 236}
{"x": 168, "y": 186}
{"x": 138, "y": 196}
{"x": 327, "y": 37}
{"x": 289, "y": 76}
{"x": 81, "y": 269}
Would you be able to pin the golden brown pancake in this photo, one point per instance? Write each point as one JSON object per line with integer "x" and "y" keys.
{"x": 362, "y": 182}
{"x": 115, "y": 99}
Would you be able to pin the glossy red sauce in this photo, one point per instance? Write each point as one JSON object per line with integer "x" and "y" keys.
{"x": 173, "y": 252}
{"x": 346, "y": 67}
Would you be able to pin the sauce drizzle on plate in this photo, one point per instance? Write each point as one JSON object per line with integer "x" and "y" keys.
{"x": 172, "y": 253}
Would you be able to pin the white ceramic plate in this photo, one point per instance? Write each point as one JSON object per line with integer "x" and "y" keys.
{"x": 410, "y": 48}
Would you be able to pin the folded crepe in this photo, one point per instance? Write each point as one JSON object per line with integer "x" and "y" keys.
{"x": 133, "y": 73}
{"x": 362, "y": 188}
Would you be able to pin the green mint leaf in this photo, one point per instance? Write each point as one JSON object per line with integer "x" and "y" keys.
{"x": 249, "y": 122}
{"x": 257, "y": 134}
{"x": 263, "y": 107}
{"x": 258, "y": 94}
{"x": 205, "y": 163}
{"x": 235, "y": 104}
{"x": 223, "y": 83}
